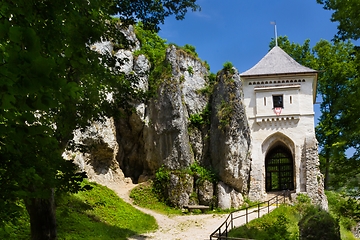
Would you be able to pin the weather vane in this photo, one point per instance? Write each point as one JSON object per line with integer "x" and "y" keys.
{"x": 274, "y": 23}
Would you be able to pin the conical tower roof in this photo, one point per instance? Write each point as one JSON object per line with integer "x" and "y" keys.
{"x": 276, "y": 62}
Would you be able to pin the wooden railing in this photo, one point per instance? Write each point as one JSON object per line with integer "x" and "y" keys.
{"x": 222, "y": 232}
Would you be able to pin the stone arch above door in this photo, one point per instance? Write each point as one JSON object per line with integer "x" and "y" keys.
{"x": 276, "y": 139}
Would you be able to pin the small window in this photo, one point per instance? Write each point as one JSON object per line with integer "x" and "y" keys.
{"x": 290, "y": 99}
{"x": 264, "y": 101}
{"x": 278, "y": 101}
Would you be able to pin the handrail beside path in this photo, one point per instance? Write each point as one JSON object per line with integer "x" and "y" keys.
{"x": 243, "y": 216}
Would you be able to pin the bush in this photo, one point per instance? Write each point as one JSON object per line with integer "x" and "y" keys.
{"x": 160, "y": 185}
{"x": 318, "y": 224}
{"x": 228, "y": 66}
{"x": 199, "y": 120}
{"x": 190, "y": 49}
{"x": 347, "y": 209}
{"x": 201, "y": 174}
{"x": 303, "y": 202}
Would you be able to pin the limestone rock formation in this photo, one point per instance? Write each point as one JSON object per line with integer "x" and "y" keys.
{"x": 98, "y": 157}
{"x": 160, "y": 133}
{"x": 230, "y": 133}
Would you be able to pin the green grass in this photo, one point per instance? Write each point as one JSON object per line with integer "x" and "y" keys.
{"x": 96, "y": 214}
{"x": 144, "y": 196}
{"x": 19, "y": 229}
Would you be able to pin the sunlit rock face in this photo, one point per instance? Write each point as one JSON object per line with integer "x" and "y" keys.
{"x": 229, "y": 132}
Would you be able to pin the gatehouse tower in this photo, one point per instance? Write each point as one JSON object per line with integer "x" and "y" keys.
{"x": 279, "y": 94}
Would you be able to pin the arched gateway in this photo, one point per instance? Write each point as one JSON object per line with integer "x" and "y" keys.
{"x": 279, "y": 167}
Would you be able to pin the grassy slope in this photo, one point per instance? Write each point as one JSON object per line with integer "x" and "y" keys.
{"x": 271, "y": 226}
{"x": 267, "y": 226}
{"x": 95, "y": 214}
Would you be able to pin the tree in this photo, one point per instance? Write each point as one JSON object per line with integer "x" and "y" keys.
{"x": 337, "y": 66}
{"x": 346, "y": 12}
{"x": 52, "y": 83}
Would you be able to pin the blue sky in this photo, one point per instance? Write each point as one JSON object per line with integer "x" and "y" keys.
{"x": 239, "y": 31}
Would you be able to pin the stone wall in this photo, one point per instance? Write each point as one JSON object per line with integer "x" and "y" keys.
{"x": 314, "y": 178}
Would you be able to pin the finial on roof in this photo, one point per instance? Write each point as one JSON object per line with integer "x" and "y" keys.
{"x": 274, "y": 23}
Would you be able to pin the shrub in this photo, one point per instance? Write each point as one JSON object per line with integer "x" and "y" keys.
{"x": 212, "y": 78}
{"x": 318, "y": 224}
{"x": 190, "y": 70}
{"x": 225, "y": 111}
{"x": 303, "y": 202}
{"x": 229, "y": 67}
{"x": 347, "y": 209}
{"x": 201, "y": 173}
{"x": 200, "y": 119}
{"x": 160, "y": 185}
{"x": 154, "y": 48}
{"x": 190, "y": 49}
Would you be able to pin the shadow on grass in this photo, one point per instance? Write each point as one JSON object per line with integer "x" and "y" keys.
{"x": 76, "y": 220}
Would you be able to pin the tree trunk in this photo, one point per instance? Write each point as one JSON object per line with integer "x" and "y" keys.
{"x": 42, "y": 217}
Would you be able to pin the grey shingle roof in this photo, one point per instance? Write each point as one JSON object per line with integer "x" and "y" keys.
{"x": 276, "y": 61}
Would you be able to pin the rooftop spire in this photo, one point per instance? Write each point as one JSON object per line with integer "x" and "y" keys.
{"x": 274, "y": 23}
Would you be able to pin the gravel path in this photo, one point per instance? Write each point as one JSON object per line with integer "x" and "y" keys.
{"x": 195, "y": 227}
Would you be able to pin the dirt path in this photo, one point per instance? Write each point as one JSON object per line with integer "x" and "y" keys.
{"x": 195, "y": 227}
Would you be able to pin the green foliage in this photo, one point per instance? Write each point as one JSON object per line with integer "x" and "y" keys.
{"x": 224, "y": 113}
{"x": 190, "y": 49}
{"x": 151, "y": 45}
{"x": 190, "y": 70}
{"x": 160, "y": 186}
{"x": 209, "y": 88}
{"x": 212, "y": 78}
{"x": 199, "y": 120}
{"x": 229, "y": 67}
{"x": 301, "y": 53}
{"x": 196, "y": 119}
{"x": 154, "y": 48}
{"x": 318, "y": 224}
{"x": 201, "y": 174}
{"x": 95, "y": 214}
{"x": 344, "y": 208}
{"x": 346, "y": 13}
{"x": 151, "y": 13}
{"x": 161, "y": 182}
{"x": 17, "y": 228}
{"x": 207, "y": 65}
{"x": 303, "y": 202}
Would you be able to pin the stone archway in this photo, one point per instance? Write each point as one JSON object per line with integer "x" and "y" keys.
{"x": 279, "y": 169}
